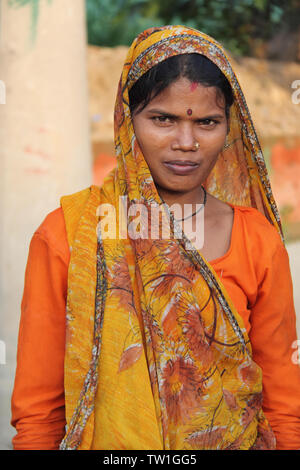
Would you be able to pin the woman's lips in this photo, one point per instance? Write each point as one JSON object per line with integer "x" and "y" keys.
{"x": 181, "y": 167}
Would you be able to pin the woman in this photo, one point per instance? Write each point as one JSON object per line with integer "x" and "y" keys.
{"x": 168, "y": 345}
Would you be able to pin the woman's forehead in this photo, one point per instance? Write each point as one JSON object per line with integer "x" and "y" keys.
{"x": 184, "y": 94}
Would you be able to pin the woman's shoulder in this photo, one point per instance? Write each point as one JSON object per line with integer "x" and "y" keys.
{"x": 78, "y": 198}
{"x": 254, "y": 217}
{"x": 53, "y": 226}
{"x": 257, "y": 229}
{"x": 58, "y": 225}
{"x": 53, "y": 231}
{"x": 75, "y": 205}
{"x": 54, "y": 221}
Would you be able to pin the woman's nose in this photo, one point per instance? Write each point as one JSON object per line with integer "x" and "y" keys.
{"x": 184, "y": 139}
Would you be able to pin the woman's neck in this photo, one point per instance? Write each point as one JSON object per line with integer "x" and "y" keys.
{"x": 190, "y": 197}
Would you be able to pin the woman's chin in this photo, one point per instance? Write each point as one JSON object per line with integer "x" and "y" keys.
{"x": 180, "y": 184}
{"x": 177, "y": 188}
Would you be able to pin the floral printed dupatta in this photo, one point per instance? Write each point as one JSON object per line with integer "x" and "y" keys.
{"x": 157, "y": 356}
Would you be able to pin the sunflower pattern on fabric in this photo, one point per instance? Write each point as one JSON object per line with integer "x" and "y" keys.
{"x": 165, "y": 361}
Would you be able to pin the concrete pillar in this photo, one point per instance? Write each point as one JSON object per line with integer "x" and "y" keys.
{"x": 44, "y": 138}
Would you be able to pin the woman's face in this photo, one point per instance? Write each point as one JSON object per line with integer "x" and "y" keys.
{"x": 170, "y": 125}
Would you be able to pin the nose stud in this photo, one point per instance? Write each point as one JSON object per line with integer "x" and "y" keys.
{"x": 176, "y": 146}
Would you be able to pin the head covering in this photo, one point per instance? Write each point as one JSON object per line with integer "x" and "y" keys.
{"x": 157, "y": 356}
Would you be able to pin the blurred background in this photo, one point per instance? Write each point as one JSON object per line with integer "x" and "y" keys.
{"x": 60, "y": 63}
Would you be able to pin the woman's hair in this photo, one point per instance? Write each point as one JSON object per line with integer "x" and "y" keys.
{"x": 195, "y": 67}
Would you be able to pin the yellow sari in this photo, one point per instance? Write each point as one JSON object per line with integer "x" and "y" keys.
{"x": 157, "y": 356}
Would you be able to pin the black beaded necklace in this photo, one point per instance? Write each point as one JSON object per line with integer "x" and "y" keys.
{"x": 194, "y": 213}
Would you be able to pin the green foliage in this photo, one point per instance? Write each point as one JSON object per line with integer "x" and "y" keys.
{"x": 116, "y": 22}
{"x": 238, "y": 24}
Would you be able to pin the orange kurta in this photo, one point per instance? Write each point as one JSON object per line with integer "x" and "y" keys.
{"x": 255, "y": 271}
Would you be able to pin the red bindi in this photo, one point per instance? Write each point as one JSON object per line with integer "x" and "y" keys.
{"x": 189, "y": 112}
{"x": 194, "y": 86}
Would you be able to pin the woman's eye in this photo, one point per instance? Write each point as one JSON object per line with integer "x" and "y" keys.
{"x": 209, "y": 122}
{"x": 161, "y": 119}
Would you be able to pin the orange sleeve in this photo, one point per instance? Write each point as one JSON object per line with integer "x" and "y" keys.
{"x": 37, "y": 402}
{"x": 273, "y": 335}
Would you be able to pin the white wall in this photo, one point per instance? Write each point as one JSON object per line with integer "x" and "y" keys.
{"x": 44, "y": 142}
